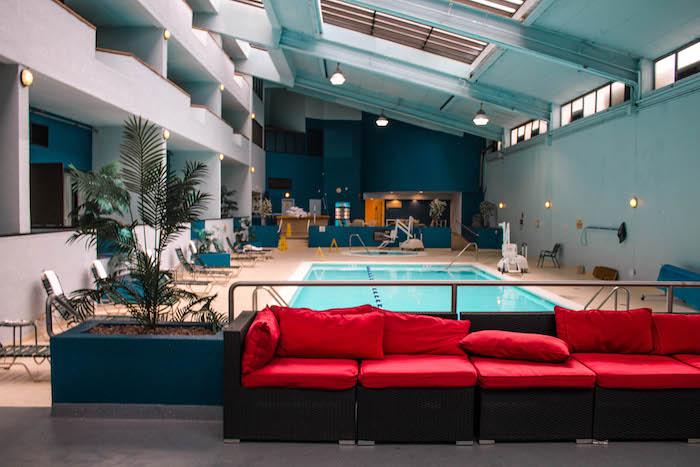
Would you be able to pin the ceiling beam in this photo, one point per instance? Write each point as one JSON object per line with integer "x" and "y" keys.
{"x": 510, "y": 34}
{"x": 378, "y": 103}
{"x": 366, "y": 59}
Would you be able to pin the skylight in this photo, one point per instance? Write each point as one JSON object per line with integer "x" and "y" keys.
{"x": 401, "y": 31}
{"x": 257, "y": 3}
{"x": 499, "y": 7}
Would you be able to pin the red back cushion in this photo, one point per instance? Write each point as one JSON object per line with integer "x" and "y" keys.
{"x": 406, "y": 333}
{"x": 356, "y": 310}
{"x": 310, "y": 334}
{"x": 606, "y": 331}
{"x": 260, "y": 341}
{"x": 516, "y": 346}
{"x": 676, "y": 333}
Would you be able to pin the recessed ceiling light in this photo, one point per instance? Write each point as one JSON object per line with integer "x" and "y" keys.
{"x": 166, "y": 34}
{"x": 26, "y": 77}
{"x": 166, "y": 134}
{"x": 221, "y": 157}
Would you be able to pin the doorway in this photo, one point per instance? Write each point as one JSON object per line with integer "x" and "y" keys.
{"x": 46, "y": 195}
{"x": 374, "y": 212}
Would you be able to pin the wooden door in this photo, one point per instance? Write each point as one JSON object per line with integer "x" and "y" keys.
{"x": 374, "y": 212}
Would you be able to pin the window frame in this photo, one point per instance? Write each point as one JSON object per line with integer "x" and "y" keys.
{"x": 521, "y": 138}
{"x": 580, "y": 114}
{"x": 675, "y": 52}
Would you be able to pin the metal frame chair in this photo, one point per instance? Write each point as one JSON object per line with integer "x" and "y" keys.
{"x": 551, "y": 254}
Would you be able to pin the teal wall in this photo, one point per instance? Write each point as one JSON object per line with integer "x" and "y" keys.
{"x": 304, "y": 171}
{"x": 68, "y": 144}
{"x": 361, "y": 157}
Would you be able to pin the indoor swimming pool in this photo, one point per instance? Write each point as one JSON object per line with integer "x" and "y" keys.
{"x": 419, "y": 299}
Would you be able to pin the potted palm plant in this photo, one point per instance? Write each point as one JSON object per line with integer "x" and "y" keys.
{"x": 170, "y": 350}
{"x": 436, "y": 209}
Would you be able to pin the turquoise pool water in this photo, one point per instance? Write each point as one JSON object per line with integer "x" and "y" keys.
{"x": 425, "y": 299}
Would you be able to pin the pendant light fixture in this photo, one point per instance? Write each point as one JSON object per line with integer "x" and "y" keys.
{"x": 382, "y": 121}
{"x": 480, "y": 119}
{"x": 337, "y": 78}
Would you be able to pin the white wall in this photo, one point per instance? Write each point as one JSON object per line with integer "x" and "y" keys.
{"x": 238, "y": 177}
{"x": 289, "y": 110}
{"x": 590, "y": 174}
{"x": 25, "y": 257}
{"x": 146, "y": 43}
{"x": 212, "y": 181}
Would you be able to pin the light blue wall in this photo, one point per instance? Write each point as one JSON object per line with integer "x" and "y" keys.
{"x": 591, "y": 174}
{"x": 68, "y": 144}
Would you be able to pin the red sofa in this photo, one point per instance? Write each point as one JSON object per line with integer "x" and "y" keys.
{"x": 367, "y": 375}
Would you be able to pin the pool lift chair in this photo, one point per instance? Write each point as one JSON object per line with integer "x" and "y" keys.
{"x": 511, "y": 262}
{"x": 411, "y": 243}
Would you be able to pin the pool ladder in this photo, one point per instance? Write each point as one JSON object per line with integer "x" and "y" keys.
{"x": 272, "y": 292}
{"x": 361, "y": 242}
{"x": 464, "y": 250}
{"x": 613, "y": 294}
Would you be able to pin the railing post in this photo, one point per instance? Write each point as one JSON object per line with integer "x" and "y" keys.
{"x": 453, "y": 300}
{"x": 669, "y": 299}
{"x": 255, "y": 298}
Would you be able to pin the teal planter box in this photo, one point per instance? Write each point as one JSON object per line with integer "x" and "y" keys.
{"x": 215, "y": 260}
{"x": 433, "y": 237}
{"x": 120, "y": 369}
{"x": 265, "y": 236}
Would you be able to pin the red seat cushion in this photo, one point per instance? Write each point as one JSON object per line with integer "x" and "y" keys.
{"x": 418, "y": 371}
{"x": 310, "y": 334}
{"x": 495, "y": 373}
{"x": 676, "y": 333}
{"x": 516, "y": 346}
{"x": 605, "y": 331}
{"x": 260, "y": 341}
{"x": 624, "y": 371}
{"x": 304, "y": 373}
{"x": 406, "y": 333}
{"x": 689, "y": 359}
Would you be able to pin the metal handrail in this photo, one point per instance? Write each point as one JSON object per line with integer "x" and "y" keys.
{"x": 361, "y": 241}
{"x": 476, "y": 250}
{"x": 668, "y": 285}
{"x": 469, "y": 230}
{"x": 272, "y": 292}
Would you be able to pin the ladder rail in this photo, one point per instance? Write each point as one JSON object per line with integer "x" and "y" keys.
{"x": 272, "y": 292}
{"x": 614, "y": 294}
{"x": 476, "y": 251}
{"x": 361, "y": 242}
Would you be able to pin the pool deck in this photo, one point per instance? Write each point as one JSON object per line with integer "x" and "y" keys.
{"x": 17, "y": 389}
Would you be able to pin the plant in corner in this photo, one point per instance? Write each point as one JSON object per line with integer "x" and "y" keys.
{"x": 436, "y": 210}
{"x": 141, "y": 196}
{"x": 228, "y": 203}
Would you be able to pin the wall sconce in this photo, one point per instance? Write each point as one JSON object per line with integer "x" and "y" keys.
{"x": 252, "y": 116}
{"x": 286, "y": 194}
{"x": 221, "y": 87}
{"x": 252, "y": 169}
{"x": 221, "y": 156}
{"x": 166, "y": 134}
{"x": 26, "y": 77}
{"x": 166, "y": 34}
{"x": 394, "y": 204}
{"x": 548, "y": 204}
{"x": 501, "y": 205}
{"x": 634, "y": 202}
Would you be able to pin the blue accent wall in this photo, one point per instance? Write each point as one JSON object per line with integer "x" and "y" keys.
{"x": 68, "y": 144}
{"x": 363, "y": 158}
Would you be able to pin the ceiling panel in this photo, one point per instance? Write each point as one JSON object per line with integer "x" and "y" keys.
{"x": 538, "y": 77}
{"x": 645, "y": 29}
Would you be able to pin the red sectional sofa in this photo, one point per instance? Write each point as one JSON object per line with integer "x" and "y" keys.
{"x": 364, "y": 375}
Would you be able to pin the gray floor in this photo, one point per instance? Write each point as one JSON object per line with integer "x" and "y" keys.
{"x": 30, "y": 437}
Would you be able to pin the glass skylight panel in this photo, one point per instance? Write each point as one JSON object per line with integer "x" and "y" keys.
{"x": 401, "y": 31}
{"x": 589, "y": 104}
{"x": 618, "y": 93}
{"x": 565, "y": 114}
{"x": 603, "y": 98}
{"x": 499, "y": 7}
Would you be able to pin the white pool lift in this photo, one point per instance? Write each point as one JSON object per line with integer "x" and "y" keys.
{"x": 411, "y": 243}
{"x": 511, "y": 262}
